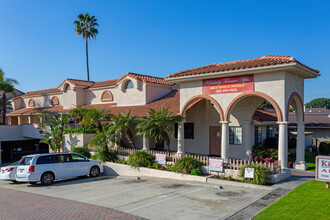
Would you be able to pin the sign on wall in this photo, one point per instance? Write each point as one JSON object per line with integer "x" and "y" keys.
{"x": 228, "y": 84}
{"x": 160, "y": 158}
{"x": 216, "y": 165}
{"x": 323, "y": 168}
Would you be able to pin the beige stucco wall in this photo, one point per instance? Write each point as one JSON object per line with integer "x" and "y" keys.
{"x": 154, "y": 91}
{"x": 41, "y": 101}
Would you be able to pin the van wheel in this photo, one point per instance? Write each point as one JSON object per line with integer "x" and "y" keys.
{"x": 95, "y": 171}
{"x": 47, "y": 178}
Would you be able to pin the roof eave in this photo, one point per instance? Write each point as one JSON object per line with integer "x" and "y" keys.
{"x": 256, "y": 70}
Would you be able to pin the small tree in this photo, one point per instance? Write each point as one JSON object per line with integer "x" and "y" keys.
{"x": 96, "y": 116}
{"x": 54, "y": 137}
{"x": 159, "y": 125}
{"x": 79, "y": 113}
{"x": 122, "y": 123}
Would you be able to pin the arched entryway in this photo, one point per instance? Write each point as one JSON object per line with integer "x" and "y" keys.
{"x": 200, "y": 125}
{"x": 295, "y": 101}
{"x": 239, "y": 114}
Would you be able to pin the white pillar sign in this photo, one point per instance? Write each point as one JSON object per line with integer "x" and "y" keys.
{"x": 323, "y": 168}
{"x": 249, "y": 173}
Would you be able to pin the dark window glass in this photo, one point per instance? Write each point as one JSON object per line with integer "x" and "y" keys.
{"x": 235, "y": 135}
{"x": 257, "y": 135}
{"x": 176, "y": 130}
{"x": 45, "y": 159}
{"x": 188, "y": 130}
{"x": 63, "y": 158}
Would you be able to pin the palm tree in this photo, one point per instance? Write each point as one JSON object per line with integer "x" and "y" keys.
{"x": 122, "y": 123}
{"x": 159, "y": 125}
{"x": 54, "y": 137}
{"x": 8, "y": 106}
{"x": 96, "y": 116}
{"x": 79, "y": 112}
{"x": 6, "y": 86}
{"x": 86, "y": 26}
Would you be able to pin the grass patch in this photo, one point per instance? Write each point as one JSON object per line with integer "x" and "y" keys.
{"x": 308, "y": 201}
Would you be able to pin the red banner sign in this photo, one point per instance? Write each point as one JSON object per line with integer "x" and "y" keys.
{"x": 228, "y": 84}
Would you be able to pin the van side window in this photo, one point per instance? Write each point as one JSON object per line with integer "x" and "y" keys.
{"x": 45, "y": 159}
{"x": 63, "y": 158}
{"x": 77, "y": 158}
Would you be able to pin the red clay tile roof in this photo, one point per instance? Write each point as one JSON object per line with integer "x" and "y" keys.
{"x": 39, "y": 92}
{"x": 111, "y": 82}
{"x": 147, "y": 79}
{"x": 241, "y": 64}
{"x": 260, "y": 115}
{"x": 35, "y": 111}
{"x": 78, "y": 82}
{"x": 171, "y": 100}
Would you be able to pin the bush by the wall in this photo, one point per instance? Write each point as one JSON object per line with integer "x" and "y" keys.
{"x": 196, "y": 172}
{"x": 140, "y": 159}
{"x": 261, "y": 174}
{"x": 187, "y": 164}
{"x": 89, "y": 129}
{"x": 324, "y": 148}
{"x": 82, "y": 150}
{"x": 105, "y": 156}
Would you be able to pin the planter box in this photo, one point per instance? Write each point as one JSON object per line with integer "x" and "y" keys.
{"x": 115, "y": 169}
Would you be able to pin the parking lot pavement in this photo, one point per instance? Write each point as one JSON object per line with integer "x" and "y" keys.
{"x": 150, "y": 198}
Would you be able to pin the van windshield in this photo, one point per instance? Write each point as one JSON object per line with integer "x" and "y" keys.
{"x": 26, "y": 161}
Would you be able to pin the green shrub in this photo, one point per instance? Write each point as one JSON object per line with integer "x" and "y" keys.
{"x": 196, "y": 172}
{"x": 105, "y": 156}
{"x": 88, "y": 129}
{"x": 186, "y": 165}
{"x": 82, "y": 150}
{"x": 261, "y": 174}
{"x": 324, "y": 148}
{"x": 140, "y": 159}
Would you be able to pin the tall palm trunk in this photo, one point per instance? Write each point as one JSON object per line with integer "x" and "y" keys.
{"x": 129, "y": 137}
{"x": 4, "y": 108}
{"x": 87, "y": 59}
{"x": 167, "y": 141}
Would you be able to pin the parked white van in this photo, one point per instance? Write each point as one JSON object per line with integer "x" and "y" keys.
{"x": 46, "y": 168}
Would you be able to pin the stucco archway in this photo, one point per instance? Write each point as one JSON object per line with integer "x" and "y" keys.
{"x": 298, "y": 105}
{"x": 259, "y": 94}
{"x": 196, "y": 97}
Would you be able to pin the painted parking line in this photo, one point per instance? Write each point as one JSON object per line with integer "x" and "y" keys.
{"x": 114, "y": 193}
{"x": 173, "y": 197}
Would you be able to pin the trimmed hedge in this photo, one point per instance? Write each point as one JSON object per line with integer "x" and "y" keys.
{"x": 140, "y": 159}
{"x": 261, "y": 174}
{"x": 186, "y": 165}
{"x": 82, "y": 150}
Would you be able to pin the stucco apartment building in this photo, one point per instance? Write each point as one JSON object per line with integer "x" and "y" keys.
{"x": 218, "y": 103}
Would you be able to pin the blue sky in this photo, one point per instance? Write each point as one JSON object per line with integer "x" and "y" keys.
{"x": 38, "y": 46}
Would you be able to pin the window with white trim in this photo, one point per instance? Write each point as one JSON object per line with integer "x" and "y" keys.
{"x": 235, "y": 135}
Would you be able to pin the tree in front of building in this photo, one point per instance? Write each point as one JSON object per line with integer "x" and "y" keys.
{"x": 54, "y": 137}
{"x": 319, "y": 103}
{"x": 122, "y": 123}
{"x": 96, "y": 116}
{"x": 6, "y": 87}
{"x": 86, "y": 26}
{"x": 159, "y": 124}
{"x": 8, "y": 106}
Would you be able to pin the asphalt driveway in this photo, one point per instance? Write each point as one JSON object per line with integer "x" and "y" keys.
{"x": 150, "y": 198}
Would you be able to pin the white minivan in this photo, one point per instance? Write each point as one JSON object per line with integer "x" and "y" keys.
{"x": 46, "y": 168}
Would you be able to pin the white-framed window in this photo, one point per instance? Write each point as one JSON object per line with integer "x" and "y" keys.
{"x": 129, "y": 85}
{"x": 235, "y": 135}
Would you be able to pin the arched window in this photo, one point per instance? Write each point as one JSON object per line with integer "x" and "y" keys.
{"x": 31, "y": 103}
{"x": 67, "y": 87}
{"x": 106, "y": 96}
{"x": 55, "y": 101}
{"x": 129, "y": 85}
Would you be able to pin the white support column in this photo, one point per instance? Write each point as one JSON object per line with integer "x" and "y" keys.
{"x": 300, "y": 163}
{"x": 30, "y": 119}
{"x": 283, "y": 144}
{"x": 19, "y": 120}
{"x": 224, "y": 139}
{"x": 146, "y": 143}
{"x": 247, "y": 139}
{"x": 181, "y": 150}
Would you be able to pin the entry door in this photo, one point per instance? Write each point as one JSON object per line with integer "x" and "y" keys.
{"x": 215, "y": 140}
